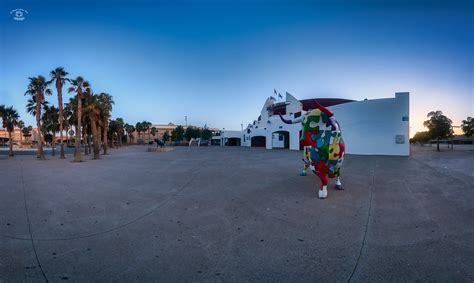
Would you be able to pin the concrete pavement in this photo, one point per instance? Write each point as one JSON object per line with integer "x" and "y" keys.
{"x": 236, "y": 214}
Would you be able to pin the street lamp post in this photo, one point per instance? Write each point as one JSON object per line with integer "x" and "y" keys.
{"x": 222, "y": 137}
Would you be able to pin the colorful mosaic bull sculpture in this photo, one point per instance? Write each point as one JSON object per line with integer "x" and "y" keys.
{"x": 323, "y": 145}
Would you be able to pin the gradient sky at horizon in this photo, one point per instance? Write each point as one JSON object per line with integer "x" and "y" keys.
{"x": 217, "y": 61}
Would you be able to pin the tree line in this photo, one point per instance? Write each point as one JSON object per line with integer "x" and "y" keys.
{"x": 179, "y": 133}
{"x": 87, "y": 112}
{"x": 441, "y": 127}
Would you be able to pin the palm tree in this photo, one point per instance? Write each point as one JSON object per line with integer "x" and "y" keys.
{"x": 153, "y": 132}
{"x": 59, "y": 76}
{"x": 146, "y": 128}
{"x": 37, "y": 88}
{"x": 26, "y": 131}
{"x": 106, "y": 102}
{"x": 80, "y": 87}
{"x": 120, "y": 124}
{"x": 111, "y": 132}
{"x": 69, "y": 114}
{"x": 130, "y": 129}
{"x": 92, "y": 111}
{"x": 51, "y": 124}
{"x": 31, "y": 106}
{"x": 138, "y": 128}
{"x": 86, "y": 129}
{"x": 10, "y": 119}
{"x": 31, "y": 109}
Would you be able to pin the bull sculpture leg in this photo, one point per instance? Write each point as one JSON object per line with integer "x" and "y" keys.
{"x": 323, "y": 190}
{"x": 339, "y": 184}
{"x": 306, "y": 161}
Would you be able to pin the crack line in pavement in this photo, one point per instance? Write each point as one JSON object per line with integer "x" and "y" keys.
{"x": 366, "y": 224}
{"x": 112, "y": 229}
{"x": 29, "y": 224}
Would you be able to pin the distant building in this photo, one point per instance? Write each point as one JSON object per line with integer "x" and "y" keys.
{"x": 17, "y": 135}
{"x": 161, "y": 129}
{"x": 375, "y": 126}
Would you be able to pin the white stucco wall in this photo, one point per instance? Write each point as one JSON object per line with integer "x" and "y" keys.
{"x": 371, "y": 126}
{"x": 225, "y": 135}
{"x": 294, "y": 105}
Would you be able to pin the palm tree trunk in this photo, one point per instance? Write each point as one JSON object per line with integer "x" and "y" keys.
{"x": 120, "y": 135}
{"x": 53, "y": 151}
{"x": 95, "y": 135}
{"x": 99, "y": 135}
{"x": 86, "y": 141}
{"x": 89, "y": 147}
{"x": 68, "y": 137}
{"x": 40, "y": 153}
{"x": 77, "y": 152}
{"x": 105, "y": 136}
{"x": 60, "y": 105}
{"x": 10, "y": 143}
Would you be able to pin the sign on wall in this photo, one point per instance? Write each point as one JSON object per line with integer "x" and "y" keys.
{"x": 400, "y": 139}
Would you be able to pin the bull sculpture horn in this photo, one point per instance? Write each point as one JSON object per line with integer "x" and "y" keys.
{"x": 294, "y": 121}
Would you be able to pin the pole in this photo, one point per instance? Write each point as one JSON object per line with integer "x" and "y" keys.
{"x": 186, "y": 120}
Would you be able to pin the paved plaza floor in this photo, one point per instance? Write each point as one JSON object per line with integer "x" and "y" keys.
{"x": 236, "y": 214}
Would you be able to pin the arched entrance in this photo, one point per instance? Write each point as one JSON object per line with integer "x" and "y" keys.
{"x": 281, "y": 139}
{"x": 233, "y": 142}
{"x": 258, "y": 141}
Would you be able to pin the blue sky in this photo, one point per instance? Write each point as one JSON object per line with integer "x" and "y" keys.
{"x": 217, "y": 61}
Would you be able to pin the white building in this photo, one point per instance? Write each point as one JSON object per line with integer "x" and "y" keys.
{"x": 376, "y": 126}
